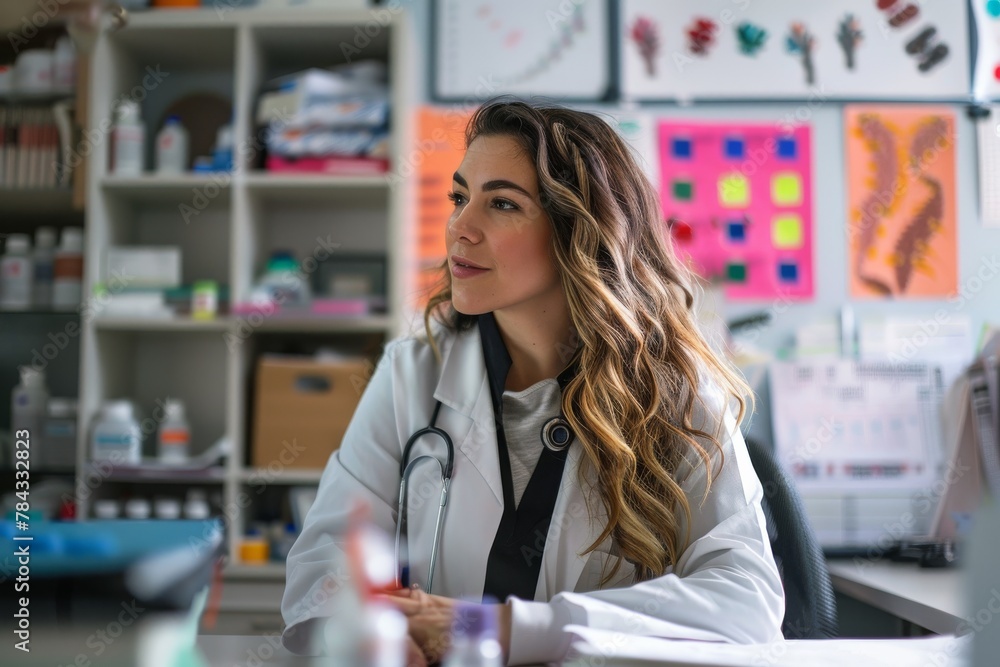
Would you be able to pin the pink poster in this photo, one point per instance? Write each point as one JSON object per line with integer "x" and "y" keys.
{"x": 738, "y": 199}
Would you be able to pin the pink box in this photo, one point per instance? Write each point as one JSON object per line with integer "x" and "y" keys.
{"x": 340, "y": 166}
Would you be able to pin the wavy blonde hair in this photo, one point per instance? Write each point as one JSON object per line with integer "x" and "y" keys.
{"x": 642, "y": 358}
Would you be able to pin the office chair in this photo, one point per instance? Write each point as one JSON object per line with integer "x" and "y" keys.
{"x": 810, "y": 609}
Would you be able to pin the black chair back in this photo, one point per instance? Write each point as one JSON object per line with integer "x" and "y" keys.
{"x": 810, "y": 608}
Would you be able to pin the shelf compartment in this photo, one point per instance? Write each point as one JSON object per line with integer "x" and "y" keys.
{"x": 268, "y": 187}
{"x": 149, "y": 367}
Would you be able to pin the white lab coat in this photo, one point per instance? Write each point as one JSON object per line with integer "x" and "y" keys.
{"x": 724, "y": 586}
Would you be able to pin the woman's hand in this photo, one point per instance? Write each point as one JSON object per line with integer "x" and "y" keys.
{"x": 429, "y": 618}
{"x": 430, "y": 621}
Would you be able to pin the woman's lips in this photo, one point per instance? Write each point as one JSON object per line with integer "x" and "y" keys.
{"x": 461, "y": 271}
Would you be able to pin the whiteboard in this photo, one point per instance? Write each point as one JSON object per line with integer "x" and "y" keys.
{"x": 555, "y": 48}
{"x": 692, "y": 49}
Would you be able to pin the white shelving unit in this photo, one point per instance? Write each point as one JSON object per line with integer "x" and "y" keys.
{"x": 208, "y": 364}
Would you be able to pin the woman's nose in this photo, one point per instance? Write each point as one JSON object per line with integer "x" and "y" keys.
{"x": 464, "y": 225}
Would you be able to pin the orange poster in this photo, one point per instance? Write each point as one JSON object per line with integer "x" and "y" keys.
{"x": 438, "y": 151}
{"x": 901, "y": 201}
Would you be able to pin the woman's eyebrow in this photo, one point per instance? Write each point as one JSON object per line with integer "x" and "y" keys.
{"x": 495, "y": 184}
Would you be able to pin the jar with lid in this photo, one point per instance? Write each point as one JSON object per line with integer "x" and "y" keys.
{"x": 117, "y": 435}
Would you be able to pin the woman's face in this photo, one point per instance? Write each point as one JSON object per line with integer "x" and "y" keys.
{"x": 500, "y": 229}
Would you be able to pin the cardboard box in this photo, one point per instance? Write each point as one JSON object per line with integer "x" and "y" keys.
{"x": 302, "y": 408}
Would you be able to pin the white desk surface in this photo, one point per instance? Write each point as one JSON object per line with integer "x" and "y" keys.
{"x": 930, "y": 597}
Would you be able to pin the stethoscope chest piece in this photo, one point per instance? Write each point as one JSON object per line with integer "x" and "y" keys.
{"x": 556, "y": 434}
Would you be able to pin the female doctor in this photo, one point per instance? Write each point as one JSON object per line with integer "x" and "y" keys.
{"x": 599, "y": 476}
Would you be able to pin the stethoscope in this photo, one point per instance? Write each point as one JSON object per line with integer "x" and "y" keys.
{"x": 556, "y": 435}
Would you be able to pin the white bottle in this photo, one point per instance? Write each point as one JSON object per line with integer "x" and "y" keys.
{"x": 196, "y": 505}
{"x": 16, "y": 273}
{"x": 64, "y": 64}
{"x": 28, "y": 403}
{"x": 116, "y": 435}
{"x": 174, "y": 436}
{"x": 67, "y": 270}
{"x": 129, "y": 137}
{"x": 44, "y": 255}
{"x": 172, "y": 147}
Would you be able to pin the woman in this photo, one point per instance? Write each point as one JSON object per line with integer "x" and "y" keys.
{"x": 562, "y": 298}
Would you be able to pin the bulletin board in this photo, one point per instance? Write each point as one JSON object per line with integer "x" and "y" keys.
{"x": 555, "y": 48}
{"x": 738, "y": 201}
{"x": 789, "y": 49}
{"x": 901, "y": 201}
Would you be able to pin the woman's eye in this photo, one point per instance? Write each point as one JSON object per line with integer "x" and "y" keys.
{"x": 456, "y": 198}
{"x": 504, "y": 205}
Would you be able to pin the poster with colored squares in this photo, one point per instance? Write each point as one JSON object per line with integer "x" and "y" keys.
{"x": 901, "y": 201}
{"x": 738, "y": 200}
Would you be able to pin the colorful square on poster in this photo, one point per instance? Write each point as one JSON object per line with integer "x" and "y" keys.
{"x": 683, "y": 190}
{"x": 786, "y": 231}
{"x": 736, "y": 272}
{"x": 776, "y": 194}
{"x": 681, "y": 231}
{"x": 788, "y": 272}
{"x": 786, "y": 189}
{"x": 734, "y": 190}
{"x": 902, "y": 244}
{"x": 736, "y": 231}
{"x": 786, "y": 148}
{"x": 734, "y": 148}
{"x": 681, "y": 147}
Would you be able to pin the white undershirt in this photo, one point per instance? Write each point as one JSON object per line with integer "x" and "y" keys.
{"x": 524, "y": 413}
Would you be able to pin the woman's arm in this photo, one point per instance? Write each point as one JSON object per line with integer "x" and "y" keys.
{"x": 724, "y": 587}
{"x": 366, "y": 467}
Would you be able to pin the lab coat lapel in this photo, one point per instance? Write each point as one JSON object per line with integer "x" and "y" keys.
{"x": 463, "y": 386}
{"x": 572, "y": 530}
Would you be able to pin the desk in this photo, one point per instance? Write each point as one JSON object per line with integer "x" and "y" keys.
{"x": 931, "y": 598}
{"x": 248, "y": 650}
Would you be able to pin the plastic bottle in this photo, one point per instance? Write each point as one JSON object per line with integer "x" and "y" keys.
{"x": 137, "y": 508}
{"x": 222, "y": 156}
{"x": 64, "y": 64}
{"x": 474, "y": 637}
{"x": 59, "y": 434}
{"x": 43, "y": 257}
{"x": 282, "y": 283}
{"x": 117, "y": 435}
{"x": 67, "y": 270}
{"x": 174, "y": 437}
{"x": 28, "y": 404}
{"x": 196, "y": 505}
{"x": 16, "y": 273}
{"x": 129, "y": 138}
{"x": 172, "y": 147}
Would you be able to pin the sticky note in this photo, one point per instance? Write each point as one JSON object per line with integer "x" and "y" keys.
{"x": 786, "y": 231}
{"x": 736, "y": 272}
{"x": 786, "y": 148}
{"x": 786, "y": 189}
{"x": 681, "y": 231}
{"x": 681, "y": 148}
{"x": 734, "y": 149}
{"x": 736, "y": 230}
{"x": 734, "y": 190}
{"x": 683, "y": 190}
{"x": 788, "y": 272}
